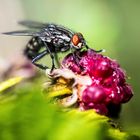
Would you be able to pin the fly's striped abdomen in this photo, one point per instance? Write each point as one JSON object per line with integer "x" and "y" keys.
{"x": 33, "y": 47}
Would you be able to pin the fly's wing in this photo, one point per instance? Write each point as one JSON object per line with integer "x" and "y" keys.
{"x": 32, "y": 24}
{"x": 29, "y": 24}
{"x": 65, "y": 30}
{"x": 22, "y": 33}
{"x": 39, "y": 25}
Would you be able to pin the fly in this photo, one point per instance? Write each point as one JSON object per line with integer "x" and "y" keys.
{"x": 52, "y": 38}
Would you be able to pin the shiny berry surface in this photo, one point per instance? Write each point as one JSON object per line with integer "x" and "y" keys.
{"x": 108, "y": 81}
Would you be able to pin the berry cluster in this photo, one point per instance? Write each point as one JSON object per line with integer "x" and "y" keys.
{"x": 108, "y": 88}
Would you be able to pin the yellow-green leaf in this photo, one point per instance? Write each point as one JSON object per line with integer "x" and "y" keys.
{"x": 9, "y": 83}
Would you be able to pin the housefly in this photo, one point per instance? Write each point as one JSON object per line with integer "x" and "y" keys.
{"x": 49, "y": 38}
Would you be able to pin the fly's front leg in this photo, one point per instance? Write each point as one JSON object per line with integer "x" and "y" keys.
{"x": 87, "y": 47}
{"x": 57, "y": 59}
{"x": 51, "y": 55}
{"x": 99, "y": 51}
{"x": 76, "y": 56}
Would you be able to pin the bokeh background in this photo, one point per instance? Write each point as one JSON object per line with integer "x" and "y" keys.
{"x": 113, "y": 25}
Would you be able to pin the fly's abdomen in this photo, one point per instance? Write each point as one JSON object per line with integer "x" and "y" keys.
{"x": 33, "y": 47}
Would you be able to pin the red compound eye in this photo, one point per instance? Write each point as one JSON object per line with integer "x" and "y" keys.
{"x": 75, "y": 39}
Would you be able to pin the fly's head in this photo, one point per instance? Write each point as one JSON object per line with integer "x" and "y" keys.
{"x": 78, "y": 41}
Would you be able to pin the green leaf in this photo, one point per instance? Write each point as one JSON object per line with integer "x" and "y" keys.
{"x": 31, "y": 117}
{"x": 10, "y": 83}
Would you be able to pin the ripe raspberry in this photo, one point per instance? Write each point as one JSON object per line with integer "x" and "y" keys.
{"x": 108, "y": 87}
{"x": 93, "y": 94}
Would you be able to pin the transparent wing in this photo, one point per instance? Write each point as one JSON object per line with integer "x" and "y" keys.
{"x": 22, "y": 33}
{"x": 32, "y": 24}
{"x": 39, "y": 25}
{"x": 64, "y": 29}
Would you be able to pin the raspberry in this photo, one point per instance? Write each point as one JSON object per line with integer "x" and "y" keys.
{"x": 108, "y": 87}
{"x": 70, "y": 62}
{"x": 99, "y": 108}
{"x": 93, "y": 94}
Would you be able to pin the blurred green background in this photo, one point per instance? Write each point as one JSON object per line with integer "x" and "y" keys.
{"x": 113, "y": 25}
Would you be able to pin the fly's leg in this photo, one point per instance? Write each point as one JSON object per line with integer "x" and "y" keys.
{"x": 51, "y": 55}
{"x": 76, "y": 56}
{"x": 87, "y": 47}
{"x": 38, "y": 57}
{"x": 57, "y": 59}
{"x": 99, "y": 51}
